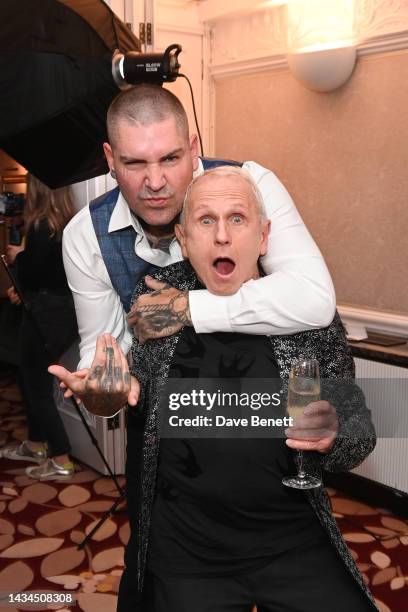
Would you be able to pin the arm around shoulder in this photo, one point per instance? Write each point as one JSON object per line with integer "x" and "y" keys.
{"x": 297, "y": 293}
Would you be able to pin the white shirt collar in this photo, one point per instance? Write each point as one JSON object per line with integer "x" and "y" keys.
{"x": 122, "y": 217}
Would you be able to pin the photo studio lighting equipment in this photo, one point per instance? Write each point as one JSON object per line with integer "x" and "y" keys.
{"x": 134, "y": 68}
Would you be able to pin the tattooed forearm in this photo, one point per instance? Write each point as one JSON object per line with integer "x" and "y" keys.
{"x": 160, "y": 313}
{"x": 155, "y": 318}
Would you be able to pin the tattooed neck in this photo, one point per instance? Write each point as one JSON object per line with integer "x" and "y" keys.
{"x": 162, "y": 243}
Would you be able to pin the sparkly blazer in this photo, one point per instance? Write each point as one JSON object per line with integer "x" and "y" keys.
{"x": 356, "y": 437}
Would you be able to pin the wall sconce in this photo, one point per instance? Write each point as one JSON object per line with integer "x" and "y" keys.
{"x": 323, "y": 69}
{"x": 321, "y": 48}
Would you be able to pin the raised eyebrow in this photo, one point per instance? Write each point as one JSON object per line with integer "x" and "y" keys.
{"x": 203, "y": 210}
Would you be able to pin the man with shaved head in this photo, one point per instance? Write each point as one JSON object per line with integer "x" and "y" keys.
{"x": 129, "y": 232}
{"x": 216, "y": 528}
{"x": 223, "y": 265}
{"x": 145, "y": 105}
{"x": 212, "y": 527}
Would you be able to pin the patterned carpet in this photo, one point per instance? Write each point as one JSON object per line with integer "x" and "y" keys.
{"x": 42, "y": 523}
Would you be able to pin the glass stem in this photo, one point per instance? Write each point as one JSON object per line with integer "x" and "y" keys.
{"x": 301, "y": 473}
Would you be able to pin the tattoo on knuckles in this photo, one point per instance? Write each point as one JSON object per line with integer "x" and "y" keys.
{"x": 107, "y": 384}
{"x": 96, "y": 373}
{"x": 109, "y": 366}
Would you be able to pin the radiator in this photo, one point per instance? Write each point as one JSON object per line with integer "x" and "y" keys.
{"x": 388, "y": 402}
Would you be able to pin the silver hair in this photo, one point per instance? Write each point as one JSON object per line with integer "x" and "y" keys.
{"x": 227, "y": 171}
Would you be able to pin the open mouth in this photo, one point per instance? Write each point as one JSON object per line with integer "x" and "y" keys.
{"x": 224, "y": 265}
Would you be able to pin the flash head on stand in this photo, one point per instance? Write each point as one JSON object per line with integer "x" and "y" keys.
{"x": 134, "y": 67}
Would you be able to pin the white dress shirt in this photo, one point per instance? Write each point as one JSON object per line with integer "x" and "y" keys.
{"x": 297, "y": 294}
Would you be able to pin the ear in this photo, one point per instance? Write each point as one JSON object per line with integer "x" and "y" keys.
{"x": 263, "y": 248}
{"x": 194, "y": 150}
{"x": 180, "y": 235}
{"x": 107, "y": 149}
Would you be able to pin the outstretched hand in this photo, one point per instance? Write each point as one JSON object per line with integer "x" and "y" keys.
{"x": 107, "y": 385}
{"x": 160, "y": 313}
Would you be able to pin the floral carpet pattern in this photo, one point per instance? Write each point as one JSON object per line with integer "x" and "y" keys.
{"x": 42, "y": 523}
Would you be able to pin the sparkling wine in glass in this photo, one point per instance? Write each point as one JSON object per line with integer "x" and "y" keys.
{"x": 304, "y": 388}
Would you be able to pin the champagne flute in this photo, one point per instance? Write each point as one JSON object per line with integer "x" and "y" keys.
{"x": 304, "y": 388}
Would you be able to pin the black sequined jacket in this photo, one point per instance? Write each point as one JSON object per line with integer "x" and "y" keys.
{"x": 356, "y": 439}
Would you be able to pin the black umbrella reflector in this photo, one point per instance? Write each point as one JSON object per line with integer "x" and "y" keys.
{"x": 56, "y": 85}
{"x": 66, "y": 146}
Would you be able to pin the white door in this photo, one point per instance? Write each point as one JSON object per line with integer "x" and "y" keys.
{"x": 131, "y": 12}
{"x": 108, "y": 433}
{"x": 162, "y": 22}
{"x": 177, "y": 21}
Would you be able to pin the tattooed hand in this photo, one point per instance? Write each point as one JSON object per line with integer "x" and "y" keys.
{"x": 160, "y": 313}
{"x": 107, "y": 386}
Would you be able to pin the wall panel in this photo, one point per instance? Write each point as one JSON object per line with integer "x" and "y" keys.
{"x": 344, "y": 158}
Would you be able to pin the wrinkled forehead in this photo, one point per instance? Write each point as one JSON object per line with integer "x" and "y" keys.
{"x": 217, "y": 190}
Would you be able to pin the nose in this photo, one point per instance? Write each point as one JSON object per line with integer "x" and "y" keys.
{"x": 155, "y": 178}
{"x": 222, "y": 234}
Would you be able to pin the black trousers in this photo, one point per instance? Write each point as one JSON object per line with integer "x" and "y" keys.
{"x": 305, "y": 579}
{"x": 44, "y": 421}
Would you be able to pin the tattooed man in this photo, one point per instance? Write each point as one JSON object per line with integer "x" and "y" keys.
{"x": 129, "y": 232}
{"x": 212, "y": 527}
